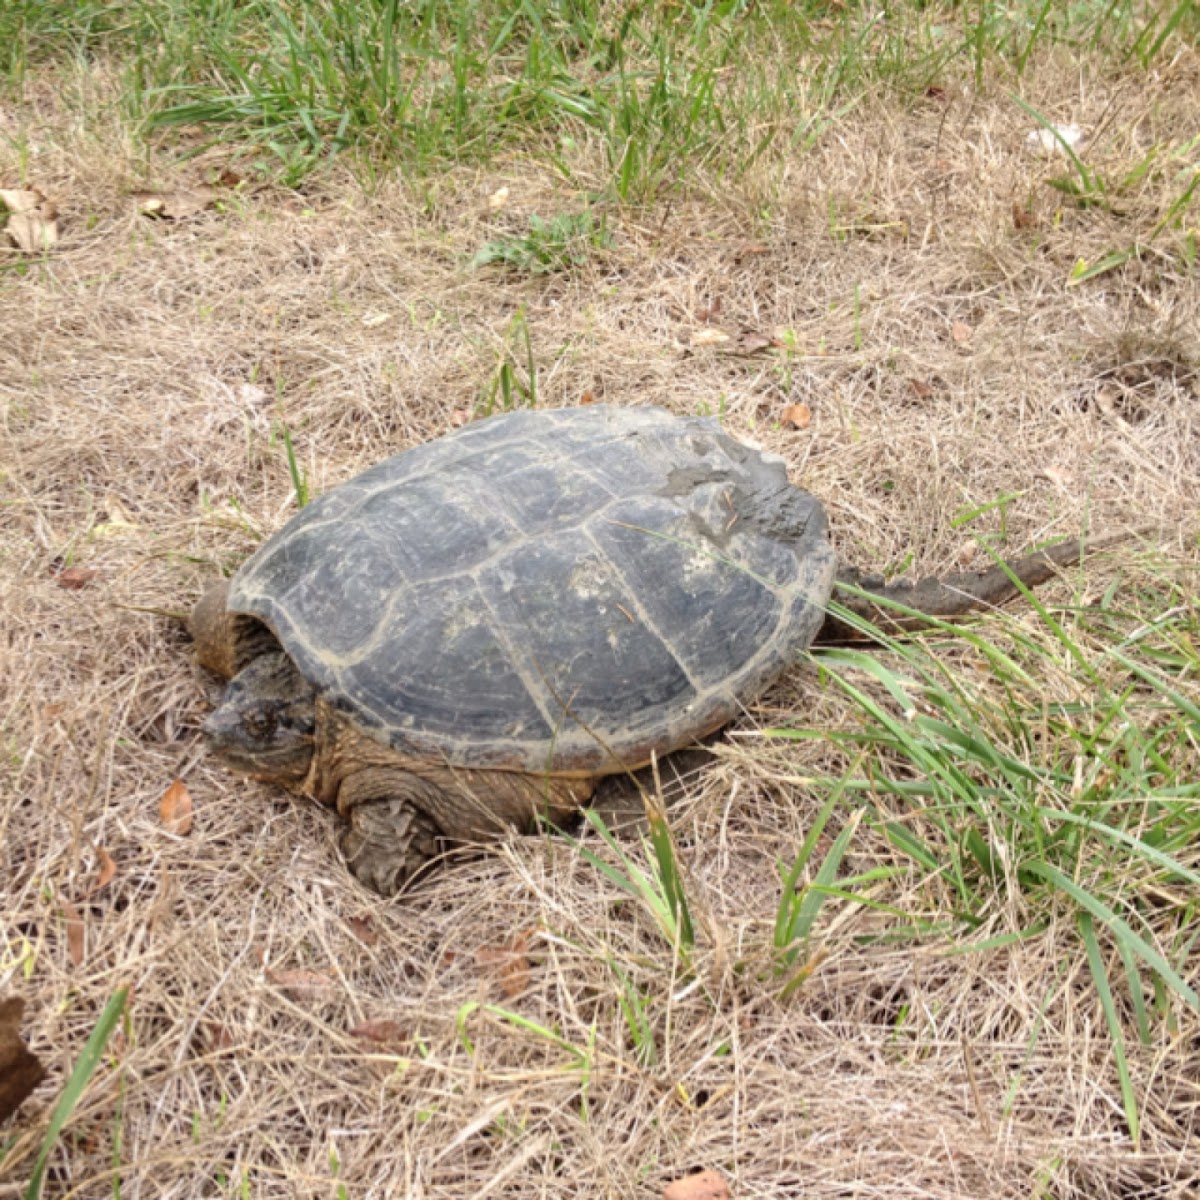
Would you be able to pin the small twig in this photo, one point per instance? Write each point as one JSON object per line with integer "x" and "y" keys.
{"x": 980, "y": 1111}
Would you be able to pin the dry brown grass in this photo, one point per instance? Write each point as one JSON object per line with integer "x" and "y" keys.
{"x": 142, "y": 370}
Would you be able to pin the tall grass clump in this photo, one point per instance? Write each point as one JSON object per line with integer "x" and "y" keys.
{"x": 658, "y": 89}
{"x": 1035, "y": 773}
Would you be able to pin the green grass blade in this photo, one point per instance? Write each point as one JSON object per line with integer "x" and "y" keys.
{"x": 1116, "y": 1034}
{"x": 784, "y": 915}
{"x": 670, "y": 877}
{"x": 299, "y": 482}
{"x": 1151, "y": 854}
{"x": 85, "y": 1067}
{"x": 804, "y": 915}
{"x": 1090, "y": 183}
{"x": 1120, "y": 929}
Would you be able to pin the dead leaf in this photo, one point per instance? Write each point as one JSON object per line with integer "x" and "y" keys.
{"x": 1058, "y": 475}
{"x": 961, "y": 332}
{"x": 510, "y": 965}
{"x": 920, "y": 388}
{"x": 214, "y": 1037}
{"x": 749, "y": 250}
{"x": 105, "y": 875}
{"x": 228, "y": 179}
{"x": 1023, "y": 218}
{"x": 175, "y": 809}
{"x": 710, "y": 312}
{"x": 709, "y": 337}
{"x": 751, "y": 341}
{"x": 383, "y": 1031}
{"x": 75, "y": 578}
{"x": 1106, "y": 399}
{"x": 588, "y": 397}
{"x": 301, "y": 984}
{"x": 20, "y": 1071}
{"x": 935, "y": 92}
{"x": 32, "y": 232}
{"x": 18, "y": 200}
{"x": 175, "y": 206}
{"x": 364, "y": 929}
{"x": 117, "y": 522}
{"x": 32, "y": 224}
{"x": 498, "y": 199}
{"x": 75, "y": 932}
{"x": 798, "y": 416}
{"x": 704, "y": 1185}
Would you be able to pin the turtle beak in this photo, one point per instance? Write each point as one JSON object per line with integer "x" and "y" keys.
{"x": 278, "y": 751}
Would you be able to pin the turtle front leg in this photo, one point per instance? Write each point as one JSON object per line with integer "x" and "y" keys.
{"x": 389, "y": 836}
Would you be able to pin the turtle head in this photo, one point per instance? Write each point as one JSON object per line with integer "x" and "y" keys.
{"x": 265, "y": 724}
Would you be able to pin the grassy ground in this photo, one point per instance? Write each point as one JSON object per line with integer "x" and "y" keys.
{"x": 944, "y": 895}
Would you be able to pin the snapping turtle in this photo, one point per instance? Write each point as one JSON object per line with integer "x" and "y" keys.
{"x": 480, "y": 629}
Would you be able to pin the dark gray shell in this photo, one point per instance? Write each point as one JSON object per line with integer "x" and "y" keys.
{"x": 560, "y": 591}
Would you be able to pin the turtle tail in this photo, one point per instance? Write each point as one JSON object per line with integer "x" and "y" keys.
{"x": 946, "y": 597}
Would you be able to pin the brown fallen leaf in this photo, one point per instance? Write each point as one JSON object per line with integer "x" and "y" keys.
{"x": 299, "y": 983}
{"x": 704, "y": 1185}
{"x": 921, "y": 388}
{"x": 20, "y": 1071}
{"x": 75, "y": 578}
{"x": 509, "y": 963}
{"x": 32, "y": 224}
{"x": 1107, "y": 398}
{"x": 749, "y": 250}
{"x": 175, "y": 809}
{"x": 106, "y": 873}
{"x": 798, "y": 416}
{"x": 1061, "y": 476}
{"x": 18, "y": 200}
{"x": 709, "y": 337}
{"x": 75, "y": 932}
{"x": 32, "y": 232}
{"x": 1023, "y": 218}
{"x": 961, "y": 332}
{"x": 364, "y": 929}
{"x": 588, "y": 397}
{"x": 710, "y": 312}
{"x": 214, "y": 1037}
{"x": 175, "y": 206}
{"x": 33, "y": 220}
{"x": 751, "y": 341}
{"x": 383, "y": 1031}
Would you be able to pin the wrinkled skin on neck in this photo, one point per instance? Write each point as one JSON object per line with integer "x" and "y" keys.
{"x": 266, "y": 722}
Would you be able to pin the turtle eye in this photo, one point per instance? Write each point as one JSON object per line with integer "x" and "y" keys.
{"x": 260, "y": 722}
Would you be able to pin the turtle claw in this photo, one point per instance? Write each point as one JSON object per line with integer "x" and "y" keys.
{"x": 387, "y": 843}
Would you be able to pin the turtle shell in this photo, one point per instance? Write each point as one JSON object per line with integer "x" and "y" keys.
{"x": 558, "y": 591}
